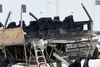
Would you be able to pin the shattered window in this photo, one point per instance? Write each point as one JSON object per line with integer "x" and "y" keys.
{"x": 97, "y": 2}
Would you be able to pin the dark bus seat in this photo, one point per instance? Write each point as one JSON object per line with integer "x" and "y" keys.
{"x": 12, "y": 25}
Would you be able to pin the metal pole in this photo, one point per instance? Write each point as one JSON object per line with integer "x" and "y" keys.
{"x": 59, "y": 64}
{"x": 5, "y": 52}
{"x": 16, "y": 53}
{"x": 33, "y": 16}
{"x": 89, "y": 17}
{"x": 86, "y": 12}
{"x": 91, "y": 27}
{"x": 47, "y": 8}
{"x": 21, "y": 18}
{"x": 25, "y": 54}
{"x": 57, "y": 8}
{"x": 10, "y": 54}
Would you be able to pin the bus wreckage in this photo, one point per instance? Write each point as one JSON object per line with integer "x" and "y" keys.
{"x": 47, "y": 40}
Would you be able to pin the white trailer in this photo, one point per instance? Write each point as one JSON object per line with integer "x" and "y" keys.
{"x": 50, "y": 8}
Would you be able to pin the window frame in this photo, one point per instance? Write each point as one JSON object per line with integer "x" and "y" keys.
{"x": 97, "y": 2}
{"x": 1, "y": 8}
{"x": 24, "y": 8}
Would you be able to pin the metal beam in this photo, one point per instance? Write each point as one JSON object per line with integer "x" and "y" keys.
{"x": 25, "y": 54}
{"x": 59, "y": 64}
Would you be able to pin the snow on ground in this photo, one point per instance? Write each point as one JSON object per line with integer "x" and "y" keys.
{"x": 92, "y": 63}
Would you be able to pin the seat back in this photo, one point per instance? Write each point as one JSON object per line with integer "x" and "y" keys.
{"x": 57, "y": 25}
{"x": 56, "y": 18}
{"x": 68, "y": 23}
{"x": 12, "y": 25}
{"x": 23, "y": 23}
{"x": 49, "y": 24}
{"x": 65, "y": 23}
{"x": 42, "y": 23}
{"x": 33, "y": 26}
{"x": 71, "y": 22}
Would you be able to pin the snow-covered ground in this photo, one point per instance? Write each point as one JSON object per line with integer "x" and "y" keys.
{"x": 92, "y": 63}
